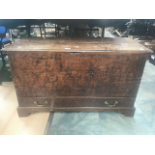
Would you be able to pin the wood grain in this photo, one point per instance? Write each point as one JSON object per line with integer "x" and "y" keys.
{"x": 47, "y": 74}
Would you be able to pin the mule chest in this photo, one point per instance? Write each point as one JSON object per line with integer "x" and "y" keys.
{"x": 76, "y": 74}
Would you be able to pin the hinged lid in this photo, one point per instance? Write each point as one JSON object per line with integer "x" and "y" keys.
{"x": 77, "y": 45}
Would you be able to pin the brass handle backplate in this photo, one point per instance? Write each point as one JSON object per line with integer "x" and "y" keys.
{"x": 41, "y": 105}
{"x": 116, "y": 102}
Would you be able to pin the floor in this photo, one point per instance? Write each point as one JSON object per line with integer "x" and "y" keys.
{"x": 111, "y": 123}
{"x": 10, "y": 123}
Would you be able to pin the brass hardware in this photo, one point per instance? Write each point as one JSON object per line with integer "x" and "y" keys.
{"x": 40, "y": 105}
{"x": 116, "y": 102}
{"x": 45, "y": 102}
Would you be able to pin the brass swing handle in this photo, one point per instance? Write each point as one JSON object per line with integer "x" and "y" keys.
{"x": 40, "y": 105}
{"x": 116, "y": 102}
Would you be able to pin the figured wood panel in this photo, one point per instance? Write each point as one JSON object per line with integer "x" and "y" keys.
{"x": 34, "y": 63}
{"x": 72, "y": 84}
{"x": 31, "y": 63}
{"x": 54, "y": 84}
{"x": 130, "y": 65}
{"x": 111, "y": 89}
{"x": 47, "y": 74}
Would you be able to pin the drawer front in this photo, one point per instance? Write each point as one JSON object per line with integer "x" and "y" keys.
{"x": 34, "y": 102}
{"x": 93, "y": 102}
{"x": 63, "y": 102}
{"x": 114, "y": 102}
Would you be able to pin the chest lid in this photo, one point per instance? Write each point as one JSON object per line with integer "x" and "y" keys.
{"x": 77, "y": 45}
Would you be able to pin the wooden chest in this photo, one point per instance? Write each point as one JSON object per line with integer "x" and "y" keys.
{"x": 76, "y": 74}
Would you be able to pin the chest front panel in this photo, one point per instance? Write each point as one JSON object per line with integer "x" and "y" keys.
{"x": 52, "y": 74}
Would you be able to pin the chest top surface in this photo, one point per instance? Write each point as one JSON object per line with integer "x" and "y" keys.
{"x": 124, "y": 45}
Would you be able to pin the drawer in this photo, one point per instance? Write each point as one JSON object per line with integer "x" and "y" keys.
{"x": 59, "y": 102}
{"x": 93, "y": 102}
{"x": 114, "y": 102}
{"x": 34, "y": 102}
